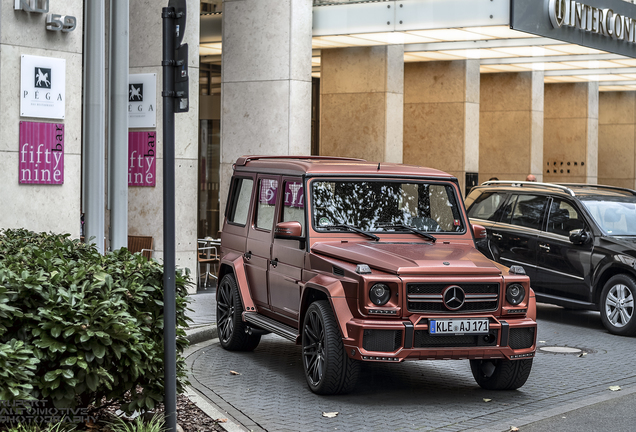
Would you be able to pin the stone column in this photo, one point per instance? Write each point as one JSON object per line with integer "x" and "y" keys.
{"x": 511, "y": 125}
{"x": 617, "y": 139}
{"x": 361, "y": 102}
{"x": 570, "y": 153}
{"x": 265, "y": 81}
{"x": 441, "y": 116}
{"x": 145, "y": 204}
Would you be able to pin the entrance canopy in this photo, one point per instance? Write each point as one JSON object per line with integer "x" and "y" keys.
{"x": 570, "y": 41}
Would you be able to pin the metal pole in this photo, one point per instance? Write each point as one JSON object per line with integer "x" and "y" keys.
{"x": 169, "y": 296}
{"x": 94, "y": 102}
{"x": 118, "y": 123}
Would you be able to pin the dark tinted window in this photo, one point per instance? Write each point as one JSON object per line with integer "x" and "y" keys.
{"x": 563, "y": 218}
{"x": 240, "y": 200}
{"x": 488, "y": 205}
{"x": 526, "y": 210}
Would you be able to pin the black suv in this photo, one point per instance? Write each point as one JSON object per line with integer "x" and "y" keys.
{"x": 577, "y": 243}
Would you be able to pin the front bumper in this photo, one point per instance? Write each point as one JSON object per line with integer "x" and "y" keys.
{"x": 398, "y": 340}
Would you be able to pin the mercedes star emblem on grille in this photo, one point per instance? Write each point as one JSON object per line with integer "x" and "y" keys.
{"x": 454, "y": 297}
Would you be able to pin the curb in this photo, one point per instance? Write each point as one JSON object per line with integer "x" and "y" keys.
{"x": 201, "y": 334}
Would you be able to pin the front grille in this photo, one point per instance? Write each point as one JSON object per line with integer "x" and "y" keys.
{"x": 521, "y": 337}
{"x": 424, "y": 340}
{"x": 428, "y": 297}
{"x": 382, "y": 340}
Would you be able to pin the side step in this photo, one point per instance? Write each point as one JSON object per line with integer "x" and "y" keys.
{"x": 271, "y": 325}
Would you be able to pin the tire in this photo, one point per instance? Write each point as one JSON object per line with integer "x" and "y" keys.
{"x": 501, "y": 374}
{"x": 328, "y": 369}
{"x": 229, "y": 319}
{"x": 617, "y": 305}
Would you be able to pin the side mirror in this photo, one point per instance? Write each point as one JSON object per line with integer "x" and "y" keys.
{"x": 579, "y": 236}
{"x": 289, "y": 230}
{"x": 479, "y": 232}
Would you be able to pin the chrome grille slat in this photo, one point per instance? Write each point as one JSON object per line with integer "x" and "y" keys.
{"x": 428, "y": 297}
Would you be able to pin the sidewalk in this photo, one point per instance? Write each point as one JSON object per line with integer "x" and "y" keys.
{"x": 203, "y": 315}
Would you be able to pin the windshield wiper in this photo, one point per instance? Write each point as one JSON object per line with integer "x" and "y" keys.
{"x": 354, "y": 229}
{"x": 410, "y": 228}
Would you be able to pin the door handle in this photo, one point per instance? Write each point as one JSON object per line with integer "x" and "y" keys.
{"x": 545, "y": 247}
{"x": 248, "y": 255}
{"x": 274, "y": 262}
{"x": 499, "y": 236}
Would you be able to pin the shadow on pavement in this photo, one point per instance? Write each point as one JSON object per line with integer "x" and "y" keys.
{"x": 576, "y": 317}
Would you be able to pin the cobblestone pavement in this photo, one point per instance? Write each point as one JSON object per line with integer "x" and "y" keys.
{"x": 271, "y": 394}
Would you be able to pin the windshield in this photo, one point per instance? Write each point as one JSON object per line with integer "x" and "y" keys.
{"x": 616, "y": 217}
{"x": 382, "y": 206}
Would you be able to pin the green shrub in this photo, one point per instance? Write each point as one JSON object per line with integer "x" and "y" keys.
{"x": 77, "y": 326}
{"x": 156, "y": 424}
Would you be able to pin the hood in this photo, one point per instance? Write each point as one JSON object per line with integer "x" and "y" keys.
{"x": 411, "y": 258}
{"x": 623, "y": 244}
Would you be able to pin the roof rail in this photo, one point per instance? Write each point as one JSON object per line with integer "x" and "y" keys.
{"x": 245, "y": 159}
{"x": 528, "y": 183}
{"x": 597, "y": 186}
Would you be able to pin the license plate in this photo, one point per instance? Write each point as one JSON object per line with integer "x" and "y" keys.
{"x": 457, "y": 326}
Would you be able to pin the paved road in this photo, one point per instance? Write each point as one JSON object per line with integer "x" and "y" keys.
{"x": 271, "y": 394}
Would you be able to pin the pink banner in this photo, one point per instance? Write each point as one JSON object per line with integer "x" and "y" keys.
{"x": 41, "y": 153}
{"x": 142, "y": 159}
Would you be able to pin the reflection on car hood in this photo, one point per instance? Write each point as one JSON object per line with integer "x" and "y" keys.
{"x": 626, "y": 244}
{"x": 411, "y": 258}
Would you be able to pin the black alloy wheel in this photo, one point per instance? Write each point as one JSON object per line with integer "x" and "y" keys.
{"x": 327, "y": 367}
{"x": 230, "y": 324}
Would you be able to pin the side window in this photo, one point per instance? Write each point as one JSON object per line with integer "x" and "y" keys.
{"x": 240, "y": 200}
{"x": 487, "y": 206}
{"x": 563, "y": 218}
{"x": 528, "y": 211}
{"x": 294, "y": 203}
{"x": 266, "y": 203}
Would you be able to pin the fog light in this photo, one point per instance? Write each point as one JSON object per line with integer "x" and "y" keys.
{"x": 379, "y": 294}
{"x": 515, "y": 293}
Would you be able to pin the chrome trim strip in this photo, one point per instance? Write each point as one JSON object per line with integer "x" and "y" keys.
{"x": 560, "y": 273}
{"x": 518, "y": 262}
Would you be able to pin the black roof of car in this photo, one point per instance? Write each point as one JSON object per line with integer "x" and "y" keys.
{"x": 572, "y": 189}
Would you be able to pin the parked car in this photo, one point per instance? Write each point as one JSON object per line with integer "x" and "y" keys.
{"x": 577, "y": 242}
{"x": 366, "y": 262}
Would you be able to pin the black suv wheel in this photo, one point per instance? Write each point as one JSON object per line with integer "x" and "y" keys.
{"x": 328, "y": 369}
{"x": 617, "y": 305}
{"x": 229, "y": 310}
{"x": 501, "y": 374}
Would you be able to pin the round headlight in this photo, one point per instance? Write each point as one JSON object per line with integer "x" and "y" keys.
{"x": 379, "y": 294}
{"x": 515, "y": 293}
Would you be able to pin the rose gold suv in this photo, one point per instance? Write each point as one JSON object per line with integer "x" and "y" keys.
{"x": 365, "y": 262}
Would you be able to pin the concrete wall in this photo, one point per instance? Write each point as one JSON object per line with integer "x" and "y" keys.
{"x": 617, "y": 139}
{"x": 40, "y": 207}
{"x": 511, "y": 125}
{"x": 571, "y": 133}
{"x": 441, "y": 116}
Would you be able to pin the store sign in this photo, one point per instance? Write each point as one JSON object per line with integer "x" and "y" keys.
{"x": 607, "y": 25}
{"x": 142, "y": 158}
{"x": 41, "y": 153}
{"x": 42, "y": 87}
{"x": 591, "y": 19}
{"x": 142, "y": 101}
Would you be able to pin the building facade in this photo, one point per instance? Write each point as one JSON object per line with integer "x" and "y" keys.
{"x": 477, "y": 88}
